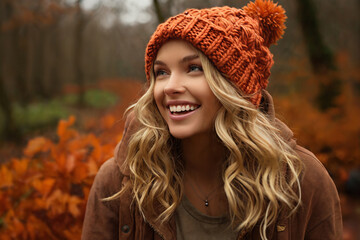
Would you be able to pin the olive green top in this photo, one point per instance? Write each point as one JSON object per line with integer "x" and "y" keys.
{"x": 194, "y": 225}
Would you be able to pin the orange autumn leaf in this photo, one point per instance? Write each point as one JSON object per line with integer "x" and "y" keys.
{"x": 6, "y": 177}
{"x": 38, "y": 229}
{"x": 62, "y": 203}
{"x": 89, "y": 144}
{"x": 5, "y": 204}
{"x": 80, "y": 172}
{"x": 65, "y": 163}
{"x": 92, "y": 168}
{"x": 39, "y": 203}
{"x": 44, "y": 186}
{"x": 61, "y": 163}
{"x": 56, "y": 203}
{"x": 96, "y": 146}
{"x": 78, "y": 144}
{"x": 64, "y": 125}
{"x": 70, "y": 163}
{"x": 73, "y": 205}
{"x": 63, "y": 130}
{"x": 36, "y": 145}
{"x": 14, "y": 225}
{"x": 20, "y": 166}
{"x": 56, "y": 151}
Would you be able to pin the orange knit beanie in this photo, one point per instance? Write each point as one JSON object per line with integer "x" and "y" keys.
{"x": 236, "y": 41}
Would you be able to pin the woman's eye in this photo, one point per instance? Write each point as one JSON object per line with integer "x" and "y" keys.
{"x": 160, "y": 72}
{"x": 195, "y": 68}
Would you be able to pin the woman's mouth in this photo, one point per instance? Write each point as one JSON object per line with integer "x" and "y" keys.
{"x": 182, "y": 109}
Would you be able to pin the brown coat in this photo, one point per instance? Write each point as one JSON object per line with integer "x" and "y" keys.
{"x": 319, "y": 216}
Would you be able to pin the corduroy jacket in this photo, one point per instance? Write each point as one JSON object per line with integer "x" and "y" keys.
{"x": 319, "y": 216}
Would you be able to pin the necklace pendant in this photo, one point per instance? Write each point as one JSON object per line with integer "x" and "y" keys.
{"x": 206, "y": 203}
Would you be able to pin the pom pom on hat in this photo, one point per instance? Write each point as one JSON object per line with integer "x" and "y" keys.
{"x": 271, "y": 17}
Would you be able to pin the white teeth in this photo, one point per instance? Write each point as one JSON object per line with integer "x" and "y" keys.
{"x": 182, "y": 108}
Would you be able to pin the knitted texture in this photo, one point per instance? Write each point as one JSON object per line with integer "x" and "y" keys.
{"x": 235, "y": 40}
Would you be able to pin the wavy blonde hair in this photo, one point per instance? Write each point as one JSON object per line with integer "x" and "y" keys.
{"x": 261, "y": 173}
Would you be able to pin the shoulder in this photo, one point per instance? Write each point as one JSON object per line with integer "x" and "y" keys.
{"x": 320, "y": 212}
{"x": 317, "y": 187}
{"x": 108, "y": 169}
{"x": 108, "y": 179}
{"x": 101, "y": 217}
{"x": 315, "y": 176}
{"x": 131, "y": 127}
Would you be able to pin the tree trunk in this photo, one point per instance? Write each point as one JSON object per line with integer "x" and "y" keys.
{"x": 39, "y": 64}
{"x": 20, "y": 48}
{"x": 11, "y": 131}
{"x": 55, "y": 83}
{"x": 158, "y": 11}
{"x": 79, "y": 74}
{"x": 321, "y": 57}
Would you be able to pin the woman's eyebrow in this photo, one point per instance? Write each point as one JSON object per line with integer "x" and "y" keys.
{"x": 158, "y": 62}
{"x": 185, "y": 59}
{"x": 189, "y": 58}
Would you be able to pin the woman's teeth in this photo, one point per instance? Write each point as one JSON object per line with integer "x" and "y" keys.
{"x": 182, "y": 108}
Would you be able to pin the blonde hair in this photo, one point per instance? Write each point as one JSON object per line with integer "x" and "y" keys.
{"x": 261, "y": 173}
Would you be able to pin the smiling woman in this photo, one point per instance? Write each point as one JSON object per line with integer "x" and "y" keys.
{"x": 181, "y": 91}
{"x": 203, "y": 156}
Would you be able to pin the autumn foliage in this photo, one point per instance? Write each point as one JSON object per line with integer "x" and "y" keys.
{"x": 43, "y": 194}
{"x": 333, "y": 135}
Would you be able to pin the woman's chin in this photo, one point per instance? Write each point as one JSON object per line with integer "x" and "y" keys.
{"x": 180, "y": 135}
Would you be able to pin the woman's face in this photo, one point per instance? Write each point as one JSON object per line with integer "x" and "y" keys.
{"x": 181, "y": 91}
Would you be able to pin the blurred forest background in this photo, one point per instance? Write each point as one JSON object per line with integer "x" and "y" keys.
{"x": 69, "y": 69}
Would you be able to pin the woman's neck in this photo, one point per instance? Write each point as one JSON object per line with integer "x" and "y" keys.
{"x": 203, "y": 157}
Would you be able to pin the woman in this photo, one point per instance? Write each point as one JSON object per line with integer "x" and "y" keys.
{"x": 203, "y": 156}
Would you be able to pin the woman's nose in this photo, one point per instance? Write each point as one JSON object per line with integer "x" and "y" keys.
{"x": 174, "y": 85}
